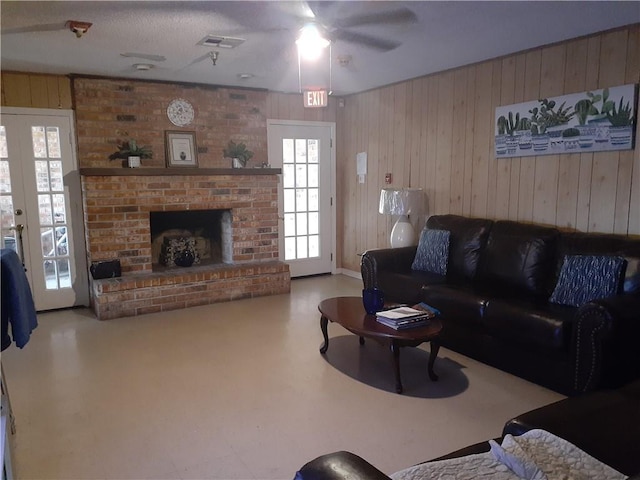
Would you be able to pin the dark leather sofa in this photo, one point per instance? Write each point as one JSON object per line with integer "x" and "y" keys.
{"x": 495, "y": 301}
{"x": 605, "y": 424}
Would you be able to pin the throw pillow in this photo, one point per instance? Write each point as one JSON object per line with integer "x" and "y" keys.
{"x": 584, "y": 278}
{"x": 432, "y": 254}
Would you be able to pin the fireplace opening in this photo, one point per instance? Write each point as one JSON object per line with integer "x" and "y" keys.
{"x": 187, "y": 238}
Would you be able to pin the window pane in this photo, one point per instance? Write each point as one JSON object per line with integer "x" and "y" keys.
{"x": 4, "y": 151}
{"x": 301, "y": 200}
{"x": 53, "y": 142}
{"x": 313, "y": 200}
{"x": 313, "y": 175}
{"x": 290, "y": 248}
{"x": 301, "y": 151}
{"x": 314, "y": 246}
{"x": 302, "y": 247}
{"x": 289, "y": 200}
{"x": 50, "y": 275}
{"x": 6, "y": 212}
{"x": 62, "y": 241}
{"x": 64, "y": 273}
{"x": 58, "y": 208}
{"x": 301, "y": 175}
{"x": 5, "y": 177}
{"x": 48, "y": 244}
{"x": 287, "y": 150}
{"x": 313, "y": 150}
{"x": 289, "y": 224}
{"x": 39, "y": 142}
{"x": 55, "y": 169}
{"x": 42, "y": 175}
{"x": 44, "y": 207}
{"x": 314, "y": 223}
{"x": 301, "y": 223}
{"x": 288, "y": 176}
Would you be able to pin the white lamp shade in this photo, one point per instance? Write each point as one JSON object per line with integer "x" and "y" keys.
{"x": 401, "y": 201}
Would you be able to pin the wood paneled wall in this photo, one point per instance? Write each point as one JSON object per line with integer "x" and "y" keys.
{"x": 33, "y": 90}
{"x": 436, "y": 132}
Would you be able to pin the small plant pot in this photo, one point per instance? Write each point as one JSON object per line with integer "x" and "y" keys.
{"x": 620, "y": 135}
{"x": 133, "y": 162}
{"x": 540, "y": 142}
{"x": 236, "y": 163}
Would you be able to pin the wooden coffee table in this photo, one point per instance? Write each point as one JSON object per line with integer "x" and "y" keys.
{"x": 349, "y": 312}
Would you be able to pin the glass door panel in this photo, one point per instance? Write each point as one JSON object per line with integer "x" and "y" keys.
{"x": 304, "y": 154}
{"x": 37, "y": 167}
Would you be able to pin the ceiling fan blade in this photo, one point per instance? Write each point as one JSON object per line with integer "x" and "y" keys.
{"x": 46, "y": 27}
{"x": 367, "y": 40}
{"x": 389, "y": 17}
{"x": 145, "y": 56}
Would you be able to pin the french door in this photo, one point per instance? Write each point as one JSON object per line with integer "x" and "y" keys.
{"x": 304, "y": 152}
{"x": 40, "y": 204}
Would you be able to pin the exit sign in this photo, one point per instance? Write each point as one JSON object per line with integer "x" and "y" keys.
{"x": 315, "y": 98}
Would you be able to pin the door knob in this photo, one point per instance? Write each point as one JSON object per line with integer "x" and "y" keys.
{"x": 18, "y": 211}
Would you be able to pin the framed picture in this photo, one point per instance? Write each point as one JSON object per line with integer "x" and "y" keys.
{"x": 181, "y": 149}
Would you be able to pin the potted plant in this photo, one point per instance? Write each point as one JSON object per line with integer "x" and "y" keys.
{"x": 238, "y": 154}
{"x": 507, "y": 127}
{"x": 130, "y": 153}
{"x": 621, "y": 121}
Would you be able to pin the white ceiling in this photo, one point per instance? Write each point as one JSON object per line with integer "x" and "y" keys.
{"x": 444, "y": 35}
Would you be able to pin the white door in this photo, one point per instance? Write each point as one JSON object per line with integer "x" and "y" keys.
{"x": 40, "y": 204}
{"x": 305, "y": 152}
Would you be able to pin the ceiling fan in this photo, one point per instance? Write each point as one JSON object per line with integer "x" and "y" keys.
{"x": 339, "y": 21}
{"x": 330, "y": 17}
{"x": 77, "y": 27}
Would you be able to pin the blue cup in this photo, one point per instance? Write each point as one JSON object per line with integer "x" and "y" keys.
{"x": 372, "y": 299}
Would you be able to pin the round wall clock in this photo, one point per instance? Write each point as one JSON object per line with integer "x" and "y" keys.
{"x": 180, "y": 112}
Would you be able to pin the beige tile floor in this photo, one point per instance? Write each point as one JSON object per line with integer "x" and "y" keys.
{"x": 239, "y": 391}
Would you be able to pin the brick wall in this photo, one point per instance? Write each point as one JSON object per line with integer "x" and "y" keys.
{"x": 109, "y": 110}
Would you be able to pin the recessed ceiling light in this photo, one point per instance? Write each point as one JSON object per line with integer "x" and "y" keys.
{"x": 245, "y": 76}
{"x": 143, "y": 66}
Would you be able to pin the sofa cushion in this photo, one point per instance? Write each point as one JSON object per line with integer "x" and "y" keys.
{"x": 432, "y": 254}
{"x": 520, "y": 258}
{"x": 530, "y": 322}
{"x": 460, "y": 304}
{"x": 584, "y": 278}
{"x": 468, "y": 238}
{"x": 578, "y": 243}
{"x": 406, "y": 287}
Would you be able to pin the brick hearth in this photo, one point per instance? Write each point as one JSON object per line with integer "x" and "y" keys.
{"x": 117, "y": 205}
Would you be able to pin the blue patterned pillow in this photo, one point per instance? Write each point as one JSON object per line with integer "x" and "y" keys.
{"x": 587, "y": 277}
{"x": 432, "y": 254}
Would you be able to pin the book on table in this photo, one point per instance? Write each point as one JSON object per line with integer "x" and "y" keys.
{"x": 407, "y": 317}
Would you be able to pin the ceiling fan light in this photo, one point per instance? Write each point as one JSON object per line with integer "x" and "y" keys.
{"x": 311, "y": 43}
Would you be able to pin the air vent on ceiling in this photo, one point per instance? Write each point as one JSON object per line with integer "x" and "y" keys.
{"x": 221, "y": 42}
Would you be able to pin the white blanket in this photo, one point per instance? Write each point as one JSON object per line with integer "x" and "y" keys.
{"x": 535, "y": 455}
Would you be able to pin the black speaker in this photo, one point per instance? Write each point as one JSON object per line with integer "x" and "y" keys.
{"x": 106, "y": 269}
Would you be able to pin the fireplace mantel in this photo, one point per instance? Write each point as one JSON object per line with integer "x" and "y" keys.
{"x": 108, "y": 172}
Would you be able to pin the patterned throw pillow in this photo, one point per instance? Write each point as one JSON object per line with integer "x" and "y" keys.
{"x": 433, "y": 251}
{"x": 587, "y": 277}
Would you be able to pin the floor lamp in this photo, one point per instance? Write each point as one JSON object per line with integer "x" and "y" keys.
{"x": 401, "y": 202}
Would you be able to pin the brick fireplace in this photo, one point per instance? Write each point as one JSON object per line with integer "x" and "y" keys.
{"x": 119, "y": 205}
